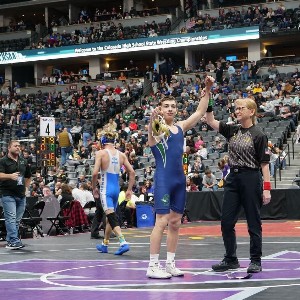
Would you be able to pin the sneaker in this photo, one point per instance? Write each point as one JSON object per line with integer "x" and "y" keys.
{"x": 171, "y": 269}
{"x": 102, "y": 248}
{"x": 254, "y": 267}
{"x": 14, "y": 246}
{"x": 123, "y": 248}
{"x": 156, "y": 272}
{"x": 225, "y": 265}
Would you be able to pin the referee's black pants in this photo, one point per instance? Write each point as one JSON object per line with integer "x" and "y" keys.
{"x": 242, "y": 189}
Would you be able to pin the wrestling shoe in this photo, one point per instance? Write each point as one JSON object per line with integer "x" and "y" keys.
{"x": 102, "y": 248}
{"x": 225, "y": 265}
{"x": 157, "y": 272}
{"x": 14, "y": 246}
{"x": 123, "y": 248}
{"x": 171, "y": 269}
{"x": 254, "y": 267}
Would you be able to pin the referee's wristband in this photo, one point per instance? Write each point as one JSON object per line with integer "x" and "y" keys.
{"x": 267, "y": 186}
{"x": 209, "y": 108}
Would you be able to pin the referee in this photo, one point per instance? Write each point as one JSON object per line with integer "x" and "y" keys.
{"x": 247, "y": 185}
{"x": 15, "y": 177}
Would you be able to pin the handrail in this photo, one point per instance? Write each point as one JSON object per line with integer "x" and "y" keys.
{"x": 293, "y": 143}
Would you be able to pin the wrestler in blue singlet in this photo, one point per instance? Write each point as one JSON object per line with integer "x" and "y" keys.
{"x": 109, "y": 182}
{"x": 169, "y": 179}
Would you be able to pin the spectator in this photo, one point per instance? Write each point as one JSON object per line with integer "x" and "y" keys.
{"x": 23, "y": 132}
{"x": 209, "y": 181}
{"x": 190, "y": 185}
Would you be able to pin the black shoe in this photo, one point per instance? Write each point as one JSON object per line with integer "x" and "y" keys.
{"x": 225, "y": 265}
{"x": 96, "y": 236}
{"x": 254, "y": 267}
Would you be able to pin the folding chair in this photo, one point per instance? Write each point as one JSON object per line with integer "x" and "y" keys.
{"x": 33, "y": 218}
{"x": 59, "y": 222}
{"x": 89, "y": 211}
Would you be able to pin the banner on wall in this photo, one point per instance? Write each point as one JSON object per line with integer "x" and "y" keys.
{"x": 142, "y": 44}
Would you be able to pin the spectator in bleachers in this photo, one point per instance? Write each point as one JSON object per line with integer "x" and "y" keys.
{"x": 23, "y": 132}
{"x": 202, "y": 152}
{"x": 149, "y": 187}
{"x": 198, "y": 165}
{"x": 209, "y": 181}
{"x": 133, "y": 160}
{"x": 273, "y": 164}
{"x": 76, "y": 133}
{"x": 253, "y": 71}
{"x": 224, "y": 167}
{"x": 296, "y": 73}
{"x": 217, "y": 146}
{"x": 190, "y": 185}
{"x": 66, "y": 145}
{"x": 87, "y": 132}
{"x": 295, "y": 112}
{"x": 287, "y": 115}
{"x": 219, "y": 72}
{"x": 45, "y": 80}
{"x": 133, "y": 126}
{"x": 244, "y": 71}
{"x": 268, "y": 108}
{"x": 198, "y": 142}
{"x": 273, "y": 71}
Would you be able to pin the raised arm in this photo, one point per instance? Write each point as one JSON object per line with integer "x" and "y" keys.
{"x": 201, "y": 109}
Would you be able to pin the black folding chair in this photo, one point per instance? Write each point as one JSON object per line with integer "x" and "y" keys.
{"x": 32, "y": 218}
{"x": 59, "y": 221}
{"x": 88, "y": 210}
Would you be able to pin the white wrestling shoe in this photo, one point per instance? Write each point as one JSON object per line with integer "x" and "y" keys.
{"x": 171, "y": 269}
{"x": 157, "y": 272}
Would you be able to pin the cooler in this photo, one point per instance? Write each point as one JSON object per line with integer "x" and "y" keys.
{"x": 145, "y": 215}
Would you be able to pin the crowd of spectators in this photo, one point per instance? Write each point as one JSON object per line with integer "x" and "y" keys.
{"x": 102, "y": 25}
{"x": 258, "y": 15}
{"x": 277, "y": 99}
{"x": 103, "y": 31}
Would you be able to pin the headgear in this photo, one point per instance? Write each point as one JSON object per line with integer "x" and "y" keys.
{"x": 105, "y": 140}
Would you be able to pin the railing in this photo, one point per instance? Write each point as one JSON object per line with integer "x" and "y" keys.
{"x": 176, "y": 23}
{"x": 293, "y": 144}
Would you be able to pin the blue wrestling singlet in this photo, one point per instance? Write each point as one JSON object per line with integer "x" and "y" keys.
{"x": 169, "y": 179}
{"x": 109, "y": 182}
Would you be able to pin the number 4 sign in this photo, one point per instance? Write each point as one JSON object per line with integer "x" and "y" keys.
{"x": 47, "y": 126}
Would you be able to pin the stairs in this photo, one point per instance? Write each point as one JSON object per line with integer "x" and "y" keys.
{"x": 289, "y": 174}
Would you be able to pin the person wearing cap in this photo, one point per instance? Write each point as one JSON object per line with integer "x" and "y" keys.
{"x": 108, "y": 162}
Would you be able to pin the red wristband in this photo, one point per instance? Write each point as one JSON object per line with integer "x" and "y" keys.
{"x": 267, "y": 186}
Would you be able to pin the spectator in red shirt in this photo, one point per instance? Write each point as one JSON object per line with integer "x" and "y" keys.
{"x": 133, "y": 126}
{"x": 118, "y": 90}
